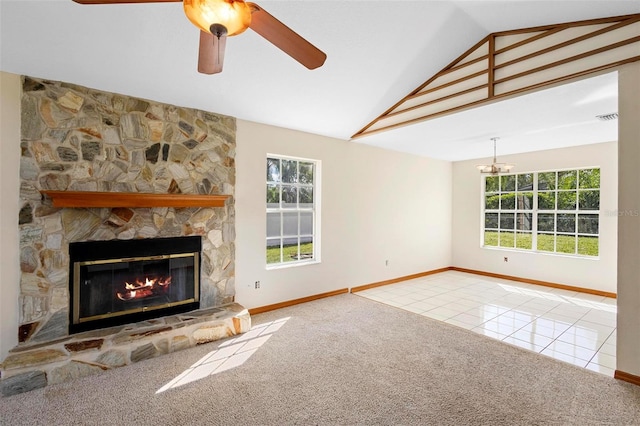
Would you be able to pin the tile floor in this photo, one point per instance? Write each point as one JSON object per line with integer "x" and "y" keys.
{"x": 573, "y": 327}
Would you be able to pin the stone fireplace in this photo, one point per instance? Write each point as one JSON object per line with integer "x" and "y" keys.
{"x": 77, "y": 139}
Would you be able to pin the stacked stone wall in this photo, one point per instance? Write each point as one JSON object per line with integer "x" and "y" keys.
{"x": 80, "y": 139}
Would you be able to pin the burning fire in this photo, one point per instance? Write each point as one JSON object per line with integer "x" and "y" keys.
{"x": 139, "y": 290}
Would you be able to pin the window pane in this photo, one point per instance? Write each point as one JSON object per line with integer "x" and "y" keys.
{"x": 492, "y": 184}
{"x": 289, "y": 196}
{"x": 508, "y": 183}
{"x": 589, "y": 200}
{"x": 546, "y": 242}
{"x": 290, "y": 249}
{"x": 273, "y": 224}
{"x": 306, "y": 223}
{"x": 290, "y": 171}
{"x": 566, "y": 223}
{"x": 588, "y": 223}
{"x": 306, "y": 248}
{"x": 566, "y": 244}
{"x": 525, "y": 182}
{"x": 508, "y": 201}
{"x": 273, "y": 196}
{"x": 524, "y": 221}
{"x": 507, "y": 239}
{"x": 306, "y": 173}
{"x": 306, "y": 196}
{"x": 491, "y": 220}
{"x": 525, "y": 200}
{"x": 588, "y": 246}
{"x": 547, "y": 200}
{"x": 589, "y": 178}
{"x": 273, "y": 170}
{"x": 491, "y": 238}
{"x": 492, "y": 202}
{"x": 506, "y": 221}
{"x": 567, "y": 200}
{"x": 290, "y": 224}
{"x": 273, "y": 250}
{"x": 546, "y": 181}
{"x": 523, "y": 240}
{"x": 567, "y": 179}
{"x": 545, "y": 222}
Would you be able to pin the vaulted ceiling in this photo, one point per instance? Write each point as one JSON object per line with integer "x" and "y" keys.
{"x": 378, "y": 52}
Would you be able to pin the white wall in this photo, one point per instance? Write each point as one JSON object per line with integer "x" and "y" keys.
{"x": 599, "y": 274}
{"x": 377, "y": 205}
{"x": 9, "y": 194}
{"x": 628, "y": 352}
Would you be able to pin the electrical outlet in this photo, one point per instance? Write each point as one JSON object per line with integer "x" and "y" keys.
{"x": 386, "y": 262}
{"x": 257, "y": 285}
{"x": 506, "y": 259}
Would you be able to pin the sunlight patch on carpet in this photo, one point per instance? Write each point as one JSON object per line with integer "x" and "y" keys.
{"x": 230, "y": 354}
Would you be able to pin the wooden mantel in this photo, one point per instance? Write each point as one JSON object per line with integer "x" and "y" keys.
{"x": 132, "y": 199}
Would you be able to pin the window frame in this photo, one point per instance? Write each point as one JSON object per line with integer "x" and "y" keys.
{"x": 285, "y": 209}
{"x": 576, "y": 215}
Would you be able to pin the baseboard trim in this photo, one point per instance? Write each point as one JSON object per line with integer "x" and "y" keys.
{"x": 397, "y": 280}
{"x": 536, "y": 282}
{"x": 287, "y": 303}
{"x": 627, "y": 377}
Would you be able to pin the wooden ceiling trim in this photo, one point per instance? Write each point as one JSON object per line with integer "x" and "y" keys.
{"x": 595, "y": 21}
{"x": 570, "y": 42}
{"x": 566, "y": 72}
{"x": 454, "y": 74}
{"x": 436, "y": 100}
{"x": 521, "y": 43}
{"x": 570, "y": 59}
{"x": 617, "y": 43}
{"x": 456, "y": 61}
{"x": 448, "y": 84}
{"x": 465, "y": 64}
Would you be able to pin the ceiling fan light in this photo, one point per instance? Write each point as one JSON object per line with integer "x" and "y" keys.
{"x": 235, "y": 15}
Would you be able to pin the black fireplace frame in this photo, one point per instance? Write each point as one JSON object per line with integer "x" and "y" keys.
{"x": 104, "y": 250}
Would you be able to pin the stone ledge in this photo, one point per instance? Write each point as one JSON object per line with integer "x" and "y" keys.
{"x": 35, "y": 366}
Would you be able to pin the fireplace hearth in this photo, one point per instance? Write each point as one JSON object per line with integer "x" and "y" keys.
{"x": 123, "y": 281}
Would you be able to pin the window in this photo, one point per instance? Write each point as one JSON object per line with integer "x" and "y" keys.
{"x": 556, "y": 211}
{"x": 292, "y": 200}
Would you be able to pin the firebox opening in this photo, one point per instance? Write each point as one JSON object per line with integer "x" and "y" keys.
{"x": 119, "y": 282}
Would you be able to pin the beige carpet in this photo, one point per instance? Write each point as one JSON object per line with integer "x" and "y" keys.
{"x": 343, "y": 360}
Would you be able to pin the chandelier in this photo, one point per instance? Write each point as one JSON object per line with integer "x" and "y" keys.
{"x": 495, "y": 167}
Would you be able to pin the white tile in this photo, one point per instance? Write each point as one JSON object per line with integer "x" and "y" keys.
{"x": 460, "y": 324}
{"x": 608, "y": 349}
{"x": 573, "y": 350}
{"x": 533, "y": 338}
{"x": 468, "y": 318}
{"x": 566, "y": 325}
{"x": 600, "y": 369}
{"x": 564, "y": 357}
{"x": 523, "y": 344}
{"x": 605, "y": 360}
{"x": 488, "y": 333}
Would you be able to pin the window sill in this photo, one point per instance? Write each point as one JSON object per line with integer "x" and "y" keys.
{"x": 544, "y": 253}
{"x": 291, "y": 264}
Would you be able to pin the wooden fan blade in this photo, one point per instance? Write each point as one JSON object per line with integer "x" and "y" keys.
{"x": 285, "y": 39}
{"x": 123, "y": 1}
{"x": 211, "y": 54}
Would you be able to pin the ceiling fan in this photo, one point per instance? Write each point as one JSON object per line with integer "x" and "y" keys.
{"x": 219, "y": 19}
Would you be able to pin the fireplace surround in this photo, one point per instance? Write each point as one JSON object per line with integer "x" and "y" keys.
{"x": 76, "y": 139}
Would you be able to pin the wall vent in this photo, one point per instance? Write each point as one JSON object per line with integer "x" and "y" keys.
{"x": 607, "y": 117}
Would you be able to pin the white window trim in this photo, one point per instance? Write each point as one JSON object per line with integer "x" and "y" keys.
{"x": 317, "y": 208}
{"x": 535, "y": 212}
